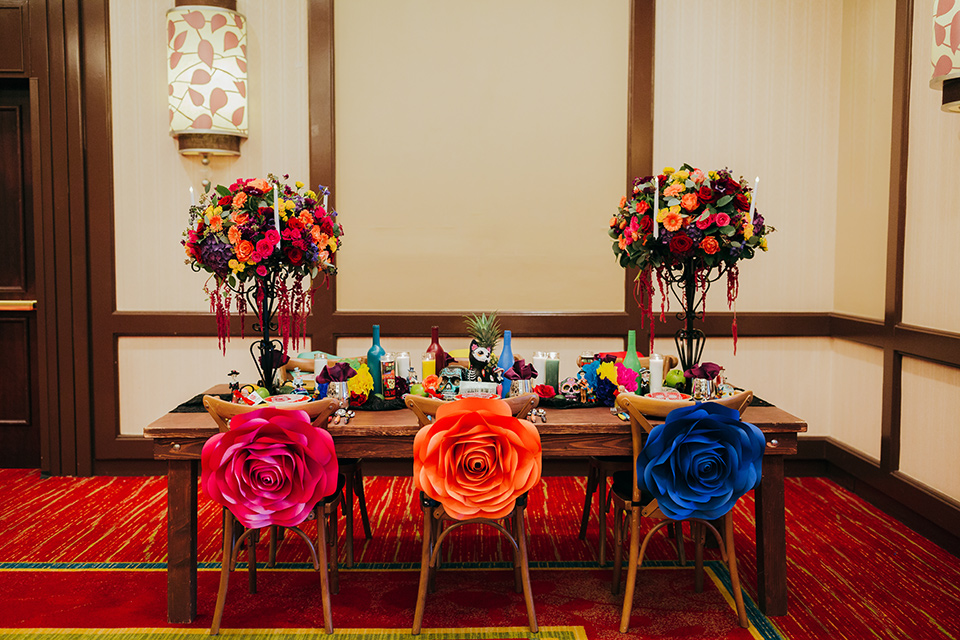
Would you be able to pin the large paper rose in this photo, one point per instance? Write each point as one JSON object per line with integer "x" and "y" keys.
{"x": 700, "y": 461}
{"x": 271, "y": 467}
{"x": 476, "y": 459}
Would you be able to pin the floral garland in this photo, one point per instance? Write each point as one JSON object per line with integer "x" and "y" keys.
{"x": 707, "y": 220}
{"x": 268, "y": 235}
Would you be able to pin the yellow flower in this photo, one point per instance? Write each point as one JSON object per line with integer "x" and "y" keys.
{"x": 668, "y": 170}
{"x": 608, "y": 370}
{"x": 218, "y": 210}
{"x": 332, "y": 244}
{"x": 747, "y": 230}
{"x": 311, "y": 194}
{"x": 712, "y": 174}
{"x": 763, "y": 243}
{"x": 233, "y": 264}
{"x": 299, "y": 184}
{"x": 682, "y": 175}
{"x": 362, "y": 383}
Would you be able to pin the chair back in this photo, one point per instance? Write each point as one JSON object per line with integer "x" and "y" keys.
{"x": 669, "y": 362}
{"x": 222, "y": 411}
{"x": 426, "y": 408}
{"x": 637, "y": 406}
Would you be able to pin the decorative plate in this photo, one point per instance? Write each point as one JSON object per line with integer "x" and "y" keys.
{"x": 667, "y": 395}
{"x": 288, "y": 398}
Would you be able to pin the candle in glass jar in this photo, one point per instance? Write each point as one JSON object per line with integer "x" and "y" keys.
{"x": 540, "y": 364}
{"x": 552, "y": 366}
{"x": 656, "y": 372}
{"x": 403, "y": 365}
{"x": 319, "y": 364}
{"x": 428, "y": 365}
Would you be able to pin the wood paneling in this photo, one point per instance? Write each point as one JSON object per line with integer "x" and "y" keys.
{"x": 15, "y": 376}
{"x": 13, "y": 240}
{"x": 14, "y": 33}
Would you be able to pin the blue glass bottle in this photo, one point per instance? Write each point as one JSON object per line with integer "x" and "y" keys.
{"x": 505, "y": 361}
{"x": 373, "y": 360}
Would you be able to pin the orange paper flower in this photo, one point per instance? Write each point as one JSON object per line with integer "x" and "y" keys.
{"x": 476, "y": 459}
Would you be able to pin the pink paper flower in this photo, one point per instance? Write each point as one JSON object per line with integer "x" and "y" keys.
{"x": 271, "y": 467}
{"x": 476, "y": 459}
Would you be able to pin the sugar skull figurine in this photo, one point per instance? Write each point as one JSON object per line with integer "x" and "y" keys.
{"x": 568, "y": 388}
{"x": 450, "y": 378}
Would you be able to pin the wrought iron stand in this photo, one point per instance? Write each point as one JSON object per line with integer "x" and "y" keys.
{"x": 682, "y": 281}
{"x": 267, "y": 351}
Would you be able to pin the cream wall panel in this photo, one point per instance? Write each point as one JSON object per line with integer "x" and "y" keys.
{"x": 863, "y": 178}
{"x": 157, "y": 374}
{"x": 480, "y": 153}
{"x": 755, "y": 86}
{"x": 152, "y": 180}
{"x": 929, "y": 272}
{"x": 856, "y": 407}
{"x": 929, "y": 438}
{"x": 568, "y": 348}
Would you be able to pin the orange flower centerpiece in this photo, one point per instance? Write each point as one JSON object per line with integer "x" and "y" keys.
{"x": 476, "y": 459}
{"x": 687, "y": 227}
{"x": 261, "y": 241}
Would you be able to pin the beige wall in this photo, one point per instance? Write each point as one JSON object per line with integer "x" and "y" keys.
{"x": 863, "y": 194}
{"x": 480, "y": 152}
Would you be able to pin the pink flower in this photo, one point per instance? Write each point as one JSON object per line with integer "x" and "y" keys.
{"x": 706, "y": 222}
{"x": 476, "y": 459}
{"x": 626, "y": 377}
{"x": 265, "y": 247}
{"x": 261, "y": 270}
{"x": 722, "y": 219}
{"x": 271, "y": 467}
{"x": 272, "y": 236}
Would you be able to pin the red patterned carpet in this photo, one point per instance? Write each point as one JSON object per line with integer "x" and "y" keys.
{"x": 88, "y": 553}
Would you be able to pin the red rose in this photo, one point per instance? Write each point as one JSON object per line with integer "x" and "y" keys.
{"x": 225, "y": 201}
{"x": 706, "y": 194}
{"x": 742, "y": 202}
{"x": 646, "y": 224}
{"x": 681, "y": 243}
{"x": 296, "y": 256}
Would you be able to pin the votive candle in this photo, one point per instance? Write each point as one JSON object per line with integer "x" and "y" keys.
{"x": 552, "y": 375}
{"x": 403, "y": 365}
{"x": 656, "y": 372}
{"x": 540, "y": 364}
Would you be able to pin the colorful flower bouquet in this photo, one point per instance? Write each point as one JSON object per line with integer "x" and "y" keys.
{"x": 260, "y": 239}
{"x": 683, "y": 225}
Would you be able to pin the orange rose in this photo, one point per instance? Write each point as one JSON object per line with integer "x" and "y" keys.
{"x": 241, "y": 218}
{"x": 672, "y": 221}
{"x": 239, "y": 200}
{"x": 306, "y": 219}
{"x": 674, "y": 189}
{"x": 689, "y": 201}
{"x": 476, "y": 459}
{"x": 710, "y": 245}
{"x": 317, "y": 235}
{"x": 244, "y": 250}
{"x": 259, "y": 184}
{"x": 623, "y": 201}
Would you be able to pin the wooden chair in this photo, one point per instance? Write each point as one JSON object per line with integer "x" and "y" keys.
{"x": 236, "y": 537}
{"x": 437, "y": 523}
{"x": 351, "y": 468}
{"x": 628, "y": 501}
{"x": 603, "y": 467}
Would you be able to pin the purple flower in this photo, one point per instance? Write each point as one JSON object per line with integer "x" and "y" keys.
{"x": 216, "y": 255}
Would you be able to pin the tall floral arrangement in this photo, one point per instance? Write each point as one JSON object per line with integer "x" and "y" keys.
{"x": 687, "y": 224}
{"x": 264, "y": 243}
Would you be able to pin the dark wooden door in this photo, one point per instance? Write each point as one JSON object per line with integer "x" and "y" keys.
{"x": 19, "y": 407}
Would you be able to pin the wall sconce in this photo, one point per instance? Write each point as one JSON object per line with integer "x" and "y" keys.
{"x": 946, "y": 54}
{"x": 207, "y": 77}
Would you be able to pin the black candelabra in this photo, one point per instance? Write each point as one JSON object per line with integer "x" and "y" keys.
{"x": 267, "y": 352}
{"x": 689, "y": 282}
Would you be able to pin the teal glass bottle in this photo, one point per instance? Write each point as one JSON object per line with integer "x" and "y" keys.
{"x": 505, "y": 361}
{"x": 373, "y": 360}
{"x": 630, "y": 359}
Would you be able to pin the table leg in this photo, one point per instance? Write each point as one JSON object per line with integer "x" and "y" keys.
{"x": 181, "y": 540}
{"x": 771, "y": 538}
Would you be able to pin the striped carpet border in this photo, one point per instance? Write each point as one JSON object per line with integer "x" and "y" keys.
{"x": 467, "y": 633}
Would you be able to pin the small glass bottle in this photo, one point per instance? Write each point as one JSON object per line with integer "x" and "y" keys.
{"x": 505, "y": 361}
{"x": 373, "y": 360}
{"x": 435, "y": 348}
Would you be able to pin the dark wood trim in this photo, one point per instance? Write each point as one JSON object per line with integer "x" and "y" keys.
{"x": 927, "y": 511}
{"x": 929, "y": 344}
{"x": 896, "y": 231}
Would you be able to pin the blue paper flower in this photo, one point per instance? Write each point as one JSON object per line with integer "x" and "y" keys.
{"x": 700, "y": 461}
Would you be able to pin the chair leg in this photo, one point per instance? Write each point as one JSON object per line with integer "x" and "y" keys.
{"x": 732, "y": 564}
{"x": 225, "y": 567}
{"x": 588, "y": 498}
{"x": 617, "y": 550}
{"x": 678, "y": 536}
{"x": 517, "y": 572}
{"x": 525, "y": 570}
{"x": 602, "y": 509}
{"x": 348, "y": 492}
{"x": 252, "y": 560}
{"x": 699, "y": 533}
{"x": 334, "y": 550}
{"x": 362, "y": 502}
{"x": 272, "y": 558}
{"x": 425, "y": 553}
{"x": 631, "y": 570}
{"x": 322, "y": 567}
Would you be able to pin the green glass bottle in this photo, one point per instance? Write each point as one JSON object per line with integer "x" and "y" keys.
{"x": 630, "y": 359}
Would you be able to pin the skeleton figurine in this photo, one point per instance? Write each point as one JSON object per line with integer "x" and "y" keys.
{"x": 480, "y": 367}
{"x": 568, "y": 388}
{"x": 450, "y": 378}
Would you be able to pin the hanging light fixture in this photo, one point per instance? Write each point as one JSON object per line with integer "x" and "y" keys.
{"x": 207, "y": 77}
{"x": 946, "y": 53}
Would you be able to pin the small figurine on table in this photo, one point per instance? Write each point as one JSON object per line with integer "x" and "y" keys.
{"x": 235, "y": 386}
{"x": 298, "y": 386}
{"x": 586, "y": 391}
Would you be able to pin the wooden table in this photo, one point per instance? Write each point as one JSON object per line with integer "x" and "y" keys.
{"x": 570, "y": 433}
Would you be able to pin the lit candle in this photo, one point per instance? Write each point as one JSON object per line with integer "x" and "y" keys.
{"x": 276, "y": 211}
{"x": 753, "y": 199}
{"x": 193, "y": 197}
{"x": 656, "y": 207}
{"x": 326, "y": 196}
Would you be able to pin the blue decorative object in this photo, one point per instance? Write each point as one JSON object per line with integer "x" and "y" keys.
{"x": 373, "y": 360}
{"x": 505, "y": 361}
{"x": 700, "y": 461}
